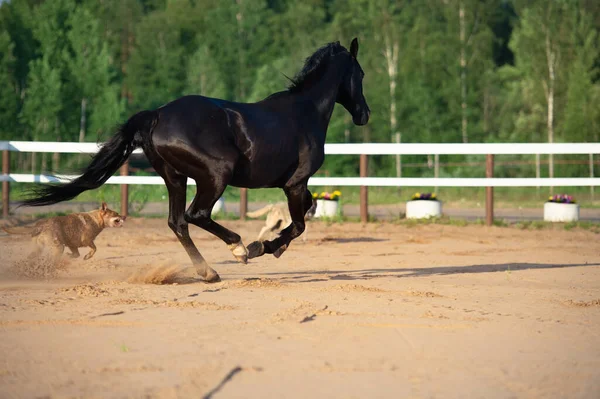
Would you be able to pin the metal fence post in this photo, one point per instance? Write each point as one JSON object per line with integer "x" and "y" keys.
{"x": 5, "y": 184}
{"x": 125, "y": 190}
{"x": 364, "y": 194}
{"x": 489, "y": 191}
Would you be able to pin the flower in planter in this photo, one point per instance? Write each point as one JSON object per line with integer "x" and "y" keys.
{"x": 424, "y": 197}
{"x": 562, "y": 199}
{"x": 334, "y": 196}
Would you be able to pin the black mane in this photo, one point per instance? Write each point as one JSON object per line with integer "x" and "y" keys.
{"x": 313, "y": 66}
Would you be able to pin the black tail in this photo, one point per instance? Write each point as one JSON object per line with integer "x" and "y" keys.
{"x": 132, "y": 134}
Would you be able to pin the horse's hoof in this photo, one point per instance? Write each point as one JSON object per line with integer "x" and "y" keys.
{"x": 212, "y": 278}
{"x": 280, "y": 251}
{"x": 239, "y": 252}
{"x": 255, "y": 249}
{"x": 242, "y": 259}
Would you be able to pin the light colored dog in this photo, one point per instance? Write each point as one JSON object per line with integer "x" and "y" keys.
{"x": 278, "y": 218}
{"x": 72, "y": 231}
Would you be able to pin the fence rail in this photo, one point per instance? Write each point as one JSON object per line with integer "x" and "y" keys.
{"x": 364, "y": 150}
{"x": 357, "y": 148}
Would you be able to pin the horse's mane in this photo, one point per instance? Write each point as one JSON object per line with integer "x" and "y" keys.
{"x": 314, "y": 65}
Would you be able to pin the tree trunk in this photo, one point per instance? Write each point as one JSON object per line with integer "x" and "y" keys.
{"x": 486, "y": 108}
{"x": 347, "y": 122}
{"x": 33, "y": 162}
{"x": 56, "y": 155}
{"x": 82, "y": 121}
{"x": 240, "y": 18}
{"x": 463, "y": 72}
{"x": 391, "y": 57}
{"x": 44, "y": 160}
{"x": 551, "y": 58}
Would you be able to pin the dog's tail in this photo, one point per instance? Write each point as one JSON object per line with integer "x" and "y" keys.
{"x": 259, "y": 212}
{"x": 132, "y": 134}
{"x": 19, "y": 230}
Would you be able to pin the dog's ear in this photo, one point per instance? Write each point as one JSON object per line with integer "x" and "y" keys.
{"x": 103, "y": 206}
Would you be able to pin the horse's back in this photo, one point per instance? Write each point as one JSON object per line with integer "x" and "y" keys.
{"x": 258, "y": 142}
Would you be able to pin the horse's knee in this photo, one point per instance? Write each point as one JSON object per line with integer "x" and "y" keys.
{"x": 200, "y": 218}
{"x": 177, "y": 227}
{"x": 298, "y": 229}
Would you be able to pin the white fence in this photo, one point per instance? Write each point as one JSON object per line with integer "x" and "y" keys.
{"x": 363, "y": 150}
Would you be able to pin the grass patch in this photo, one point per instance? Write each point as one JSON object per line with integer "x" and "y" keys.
{"x": 458, "y": 197}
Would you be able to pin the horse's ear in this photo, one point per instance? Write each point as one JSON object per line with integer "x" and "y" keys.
{"x": 103, "y": 206}
{"x": 354, "y": 47}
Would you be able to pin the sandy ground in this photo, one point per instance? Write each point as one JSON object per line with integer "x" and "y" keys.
{"x": 376, "y": 311}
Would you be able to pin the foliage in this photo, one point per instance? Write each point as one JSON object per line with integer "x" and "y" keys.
{"x": 73, "y": 69}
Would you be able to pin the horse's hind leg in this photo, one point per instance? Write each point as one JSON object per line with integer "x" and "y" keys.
{"x": 199, "y": 213}
{"x": 176, "y": 186}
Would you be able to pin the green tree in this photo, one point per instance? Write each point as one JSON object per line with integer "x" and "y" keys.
{"x": 581, "y": 109}
{"x": 16, "y": 18}
{"x": 42, "y": 104}
{"x": 203, "y": 75}
{"x": 543, "y": 49}
{"x": 9, "y": 99}
{"x": 88, "y": 61}
{"x": 156, "y": 69}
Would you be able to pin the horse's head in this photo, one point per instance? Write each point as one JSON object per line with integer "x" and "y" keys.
{"x": 350, "y": 93}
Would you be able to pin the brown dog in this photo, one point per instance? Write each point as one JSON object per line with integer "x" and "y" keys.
{"x": 72, "y": 231}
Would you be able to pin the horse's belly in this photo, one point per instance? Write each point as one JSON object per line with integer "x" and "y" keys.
{"x": 272, "y": 172}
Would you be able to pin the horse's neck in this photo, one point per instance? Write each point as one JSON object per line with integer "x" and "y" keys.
{"x": 325, "y": 91}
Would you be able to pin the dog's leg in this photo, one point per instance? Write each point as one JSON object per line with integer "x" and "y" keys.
{"x": 57, "y": 251}
{"x": 263, "y": 231}
{"x": 305, "y": 232}
{"x": 299, "y": 199}
{"x": 37, "y": 251}
{"x": 74, "y": 252}
{"x": 91, "y": 253}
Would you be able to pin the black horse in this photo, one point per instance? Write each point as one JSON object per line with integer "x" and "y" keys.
{"x": 277, "y": 142}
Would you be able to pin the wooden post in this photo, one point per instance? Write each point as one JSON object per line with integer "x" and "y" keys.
{"x": 125, "y": 190}
{"x": 489, "y": 191}
{"x": 537, "y": 169}
{"x": 5, "y": 184}
{"x": 592, "y": 176}
{"x": 364, "y": 194}
{"x": 436, "y": 169}
{"x": 243, "y": 203}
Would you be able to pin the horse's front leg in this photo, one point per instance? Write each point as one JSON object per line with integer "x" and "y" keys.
{"x": 298, "y": 197}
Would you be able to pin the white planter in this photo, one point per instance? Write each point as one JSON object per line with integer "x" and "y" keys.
{"x": 556, "y": 212}
{"x": 423, "y": 209}
{"x": 326, "y": 208}
{"x": 219, "y": 206}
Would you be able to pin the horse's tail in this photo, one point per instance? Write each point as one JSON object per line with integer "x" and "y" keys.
{"x": 132, "y": 134}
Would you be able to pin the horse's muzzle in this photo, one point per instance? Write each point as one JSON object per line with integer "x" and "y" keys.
{"x": 362, "y": 119}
